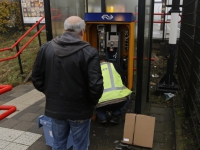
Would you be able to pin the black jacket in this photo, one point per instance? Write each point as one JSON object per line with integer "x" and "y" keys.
{"x": 67, "y": 70}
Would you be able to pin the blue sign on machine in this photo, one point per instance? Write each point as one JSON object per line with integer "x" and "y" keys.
{"x": 109, "y": 17}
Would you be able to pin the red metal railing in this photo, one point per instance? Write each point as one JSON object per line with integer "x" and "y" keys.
{"x": 23, "y": 47}
{"x": 152, "y": 59}
{"x": 23, "y": 36}
{"x": 135, "y": 58}
{"x": 56, "y": 14}
{"x": 10, "y": 109}
{"x": 16, "y": 44}
{"x": 162, "y": 14}
{"x": 5, "y": 88}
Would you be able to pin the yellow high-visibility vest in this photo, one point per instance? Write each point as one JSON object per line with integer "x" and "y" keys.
{"x": 113, "y": 86}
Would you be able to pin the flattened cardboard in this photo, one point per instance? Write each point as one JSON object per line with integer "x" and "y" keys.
{"x": 144, "y": 131}
{"x": 129, "y": 127}
{"x": 139, "y": 130}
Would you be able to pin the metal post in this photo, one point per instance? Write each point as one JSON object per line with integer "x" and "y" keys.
{"x": 103, "y": 6}
{"x": 150, "y": 49}
{"x": 140, "y": 46}
{"x": 86, "y": 3}
{"x": 162, "y": 16}
{"x": 47, "y": 11}
{"x": 19, "y": 59}
{"x": 22, "y": 20}
{"x": 169, "y": 83}
{"x": 163, "y": 36}
{"x": 39, "y": 39}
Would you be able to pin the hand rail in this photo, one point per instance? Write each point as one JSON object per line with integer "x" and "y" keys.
{"x": 22, "y": 37}
{"x": 135, "y": 58}
{"x": 57, "y": 16}
{"x": 5, "y": 88}
{"x": 162, "y": 14}
{"x": 10, "y": 109}
{"x": 23, "y": 47}
{"x": 16, "y": 44}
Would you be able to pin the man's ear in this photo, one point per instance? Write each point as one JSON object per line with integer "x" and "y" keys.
{"x": 82, "y": 33}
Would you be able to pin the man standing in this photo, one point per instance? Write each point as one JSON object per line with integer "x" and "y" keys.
{"x": 67, "y": 70}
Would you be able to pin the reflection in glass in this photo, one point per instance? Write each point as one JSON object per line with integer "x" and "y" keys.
{"x": 94, "y": 6}
{"x": 121, "y": 5}
{"x": 62, "y": 9}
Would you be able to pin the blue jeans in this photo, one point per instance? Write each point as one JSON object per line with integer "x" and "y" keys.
{"x": 116, "y": 109}
{"x": 80, "y": 130}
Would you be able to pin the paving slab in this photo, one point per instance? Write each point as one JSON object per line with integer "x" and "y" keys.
{"x": 102, "y": 137}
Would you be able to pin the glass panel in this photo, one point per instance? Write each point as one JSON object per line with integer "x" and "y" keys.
{"x": 62, "y": 9}
{"x": 169, "y": 2}
{"x": 121, "y": 5}
{"x": 94, "y": 6}
{"x": 159, "y": 7}
{"x": 113, "y": 5}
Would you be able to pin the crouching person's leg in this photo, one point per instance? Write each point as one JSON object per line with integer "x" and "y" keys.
{"x": 116, "y": 117}
{"x": 101, "y": 115}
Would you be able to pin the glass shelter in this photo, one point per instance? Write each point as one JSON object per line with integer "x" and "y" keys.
{"x": 57, "y": 11}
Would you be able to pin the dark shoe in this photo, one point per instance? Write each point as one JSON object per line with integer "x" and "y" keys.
{"x": 115, "y": 120}
{"x": 102, "y": 121}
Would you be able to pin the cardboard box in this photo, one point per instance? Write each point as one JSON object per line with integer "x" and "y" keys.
{"x": 129, "y": 128}
{"x": 139, "y": 130}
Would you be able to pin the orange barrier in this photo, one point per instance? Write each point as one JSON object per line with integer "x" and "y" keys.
{"x": 10, "y": 110}
{"x": 5, "y": 88}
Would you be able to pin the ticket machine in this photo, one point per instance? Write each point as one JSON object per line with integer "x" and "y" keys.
{"x": 112, "y": 34}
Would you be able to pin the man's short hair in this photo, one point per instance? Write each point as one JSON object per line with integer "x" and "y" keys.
{"x": 77, "y": 27}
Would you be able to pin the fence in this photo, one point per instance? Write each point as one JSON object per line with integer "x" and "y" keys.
{"x": 189, "y": 65}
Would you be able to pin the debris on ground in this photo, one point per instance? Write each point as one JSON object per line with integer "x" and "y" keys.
{"x": 168, "y": 96}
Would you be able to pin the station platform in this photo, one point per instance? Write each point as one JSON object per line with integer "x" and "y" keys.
{"x": 19, "y": 131}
